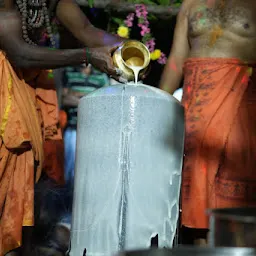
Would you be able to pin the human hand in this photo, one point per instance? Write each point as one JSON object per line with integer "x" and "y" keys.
{"x": 101, "y": 59}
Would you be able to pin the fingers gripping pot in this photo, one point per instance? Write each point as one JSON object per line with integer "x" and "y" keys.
{"x": 132, "y": 54}
{"x": 128, "y": 169}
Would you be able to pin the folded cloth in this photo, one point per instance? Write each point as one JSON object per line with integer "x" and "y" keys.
{"x": 219, "y": 169}
{"x": 23, "y": 125}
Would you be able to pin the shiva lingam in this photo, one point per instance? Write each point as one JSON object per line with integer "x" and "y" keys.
{"x": 128, "y": 163}
{"x": 132, "y": 58}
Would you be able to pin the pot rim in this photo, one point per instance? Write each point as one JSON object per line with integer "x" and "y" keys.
{"x": 190, "y": 249}
{"x": 243, "y": 214}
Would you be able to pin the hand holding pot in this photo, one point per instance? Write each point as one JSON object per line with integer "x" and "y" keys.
{"x": 101, "y": 59}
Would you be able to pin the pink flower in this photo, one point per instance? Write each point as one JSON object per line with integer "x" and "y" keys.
{"x": 162, "y": 60}
{"x": 146, "y": 23}
{"x": 150, "y": 48}
{"x": 128, "y": 23}
{"x": 138, "y": 13}
{"x": 144, "y": 14}
{"x": 152, "y": 42}
{"x": 130, "y": 16}
{"x": 144, "y": 30}
{"x": 129, "y": 20}
{"x": 141, "y": 11}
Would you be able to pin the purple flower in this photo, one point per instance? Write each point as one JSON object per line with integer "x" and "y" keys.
{"x": 162, "y": 60}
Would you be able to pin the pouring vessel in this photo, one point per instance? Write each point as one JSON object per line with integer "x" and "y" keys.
{"x": 132, "y": 53}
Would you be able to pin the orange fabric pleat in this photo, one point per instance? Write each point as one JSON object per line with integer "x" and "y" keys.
{"x": 53, "y": 145}
{"x": 54, "y": 160}
{"x": 219, "y": 170}
{"x": 23, "y": 127}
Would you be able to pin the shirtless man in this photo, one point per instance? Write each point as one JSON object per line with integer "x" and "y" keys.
{"x": 214, "y": 47}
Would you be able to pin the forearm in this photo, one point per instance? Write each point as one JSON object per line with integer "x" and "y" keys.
{"x": 98, "y": 37}
{"x": 74, "y": 20}
{"x": 171, "y": 78}
{"x": 39, "y": 57}
{"x": 170, "y": 81}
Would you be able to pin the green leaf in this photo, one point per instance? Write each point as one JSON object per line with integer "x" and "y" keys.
{"x": 140, "y": 20}
{"x": 146, "y": 37}
{"x": 151, "y": 17}
{"x": 177, "y": 4}
{"x": 90, "y": 3}
{"x": 164, "y": 2}
{"x": 149, "y": 2}
{"x": 118, "y": 21}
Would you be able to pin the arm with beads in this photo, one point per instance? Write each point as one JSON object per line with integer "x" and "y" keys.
{"x": 22, "y": 54}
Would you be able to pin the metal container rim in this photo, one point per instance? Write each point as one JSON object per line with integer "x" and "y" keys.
{"x": 189, "y": 249}
{"x": 243, "y": 214}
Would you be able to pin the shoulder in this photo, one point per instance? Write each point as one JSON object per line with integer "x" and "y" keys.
{"x": 9, "y": 21}
{"x": 10, "y": 29}
{"x": 186, "y": 7}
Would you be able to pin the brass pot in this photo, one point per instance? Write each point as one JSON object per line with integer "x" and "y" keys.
{"x": 131, "y": 53}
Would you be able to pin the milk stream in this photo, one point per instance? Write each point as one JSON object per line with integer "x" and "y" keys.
{"x": 136, "y": 70}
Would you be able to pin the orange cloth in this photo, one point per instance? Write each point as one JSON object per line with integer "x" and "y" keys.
{"x": 219, "y": 97}
{"x": 54, "y": 160}
{"x": 53, "y": 149}
{"x": 24, "y": 124}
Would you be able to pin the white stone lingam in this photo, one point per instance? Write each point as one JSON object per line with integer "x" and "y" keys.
{"x": 128, "y": 170}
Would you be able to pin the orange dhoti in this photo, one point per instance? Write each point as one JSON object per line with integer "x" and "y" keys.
{"x": 28, "y": 116}
{"x": 53, "y": 145}
{"x": 219, "y": 97}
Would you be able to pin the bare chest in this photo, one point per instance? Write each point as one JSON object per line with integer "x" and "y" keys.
{"x": 237, "y": 16}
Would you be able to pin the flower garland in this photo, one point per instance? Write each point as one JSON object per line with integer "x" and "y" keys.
{"x": 147, "y": 38}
